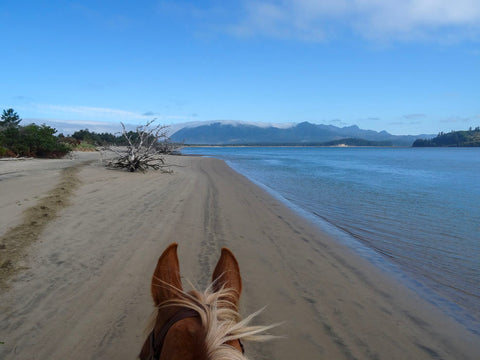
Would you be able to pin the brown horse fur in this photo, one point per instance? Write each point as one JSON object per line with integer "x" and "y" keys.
{"x": 216, "y": 333}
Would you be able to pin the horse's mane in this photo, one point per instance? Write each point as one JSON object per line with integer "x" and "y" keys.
{"x": 221, "y": 322}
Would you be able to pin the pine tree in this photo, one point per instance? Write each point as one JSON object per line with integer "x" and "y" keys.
{"x": 10, "y": 118}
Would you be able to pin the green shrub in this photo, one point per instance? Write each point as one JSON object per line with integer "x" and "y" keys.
{"x": 85, "y": 146}
{"x": 32, "y": 140}
{"x": 4, "y": 152}
{"x": 41, "y": 142}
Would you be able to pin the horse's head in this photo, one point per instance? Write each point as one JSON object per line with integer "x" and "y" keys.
{"x": 194, "y": 325}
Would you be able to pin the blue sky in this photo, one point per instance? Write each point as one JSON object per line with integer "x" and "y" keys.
{"x": 407, "y": 67}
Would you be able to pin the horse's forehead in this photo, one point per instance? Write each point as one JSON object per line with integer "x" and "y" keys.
{"x": 191, "y": 326}
{"x": 185, "y": 340}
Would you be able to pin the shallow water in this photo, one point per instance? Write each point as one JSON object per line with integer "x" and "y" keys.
{"x": 418, "y": 209}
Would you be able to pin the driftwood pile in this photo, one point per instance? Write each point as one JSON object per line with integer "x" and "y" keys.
{"x": 145, "y": 149}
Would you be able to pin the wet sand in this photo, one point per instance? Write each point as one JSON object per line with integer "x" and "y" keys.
{"x": 79, "y": 287}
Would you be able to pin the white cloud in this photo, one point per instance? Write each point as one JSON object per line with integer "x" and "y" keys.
{"x": 77, "y": 122}
{"x": 456, "y": 119}
{"x": 89, "y": 113}
{"x": 414, "y": 116}
{"x": 316, "y": 20}
{"x": 68, "y": 127}
{"x": 418, "y": 18}
{"x": 338, "y": 122}
{"x": 286, "y": 19}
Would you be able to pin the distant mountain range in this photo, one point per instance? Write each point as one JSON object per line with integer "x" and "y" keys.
{"x": 305, "y": 133}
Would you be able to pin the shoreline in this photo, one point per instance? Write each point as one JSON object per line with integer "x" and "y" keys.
{"x": 336, "y": 304}
{"x": 446, "y": 306}
{"x": 358, "y": 230}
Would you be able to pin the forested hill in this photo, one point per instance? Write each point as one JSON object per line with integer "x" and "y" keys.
{"x": 468, "y": 138}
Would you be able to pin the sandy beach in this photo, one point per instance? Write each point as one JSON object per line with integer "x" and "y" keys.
{"x": 75, "y": 285}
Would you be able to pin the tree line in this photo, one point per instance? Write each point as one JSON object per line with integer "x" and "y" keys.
{"x": 465, "y": 138}
{"x": 30, "y": 140}
{"x": 40, "y": 140}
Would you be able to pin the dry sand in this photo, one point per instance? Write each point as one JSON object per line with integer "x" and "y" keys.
{"x": 79, "y": 287}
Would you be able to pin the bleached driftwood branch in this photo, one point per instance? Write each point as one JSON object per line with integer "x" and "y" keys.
{"x": 144, "y": 149}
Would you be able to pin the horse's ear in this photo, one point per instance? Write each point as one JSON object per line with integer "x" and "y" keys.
{"x": 166, "y": 281}
{"x": 227, "y": 275}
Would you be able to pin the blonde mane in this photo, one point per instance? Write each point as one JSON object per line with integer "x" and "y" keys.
{"x": 221, "y": 322}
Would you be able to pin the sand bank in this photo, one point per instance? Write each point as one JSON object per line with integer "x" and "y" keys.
{"x": 83, "y": 292}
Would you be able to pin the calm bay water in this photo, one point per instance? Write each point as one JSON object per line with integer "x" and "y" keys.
{"x": 414, "y": 211}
